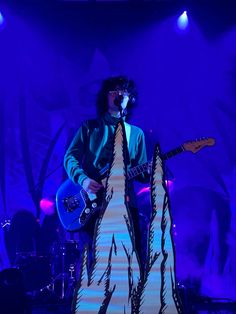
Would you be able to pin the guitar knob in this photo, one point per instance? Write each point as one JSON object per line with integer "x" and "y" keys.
{"x": 87, "y": 210}
{"x": 94, "y": 205}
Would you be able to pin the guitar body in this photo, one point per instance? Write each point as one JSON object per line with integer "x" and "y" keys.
{"x": 75, "y": 206}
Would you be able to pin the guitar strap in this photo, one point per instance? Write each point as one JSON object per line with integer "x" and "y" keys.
{"x": 127, "y": 132}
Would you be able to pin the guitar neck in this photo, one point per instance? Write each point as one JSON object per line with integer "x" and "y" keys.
{"x": 173, "y": 152}
{"x": 137, "y": 170}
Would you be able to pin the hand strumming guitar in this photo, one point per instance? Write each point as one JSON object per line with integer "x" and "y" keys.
{"x": 91, "y": 186}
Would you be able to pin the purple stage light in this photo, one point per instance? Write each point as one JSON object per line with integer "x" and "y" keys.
{"x": 144, "y": 190}
{"x": 169, "y": 185}
{"x": 47, "y": 206}
{"x": 182, "y": 21}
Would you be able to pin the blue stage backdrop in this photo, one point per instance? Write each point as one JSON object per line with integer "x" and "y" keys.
{"x": 53, "y": 58}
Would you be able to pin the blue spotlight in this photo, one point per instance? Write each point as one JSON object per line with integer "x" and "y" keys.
{"x": 1, "y": 19}
{"x": 183, "y": 21}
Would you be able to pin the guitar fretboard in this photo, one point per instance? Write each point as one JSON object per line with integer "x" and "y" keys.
{"x": 135, "y": 171}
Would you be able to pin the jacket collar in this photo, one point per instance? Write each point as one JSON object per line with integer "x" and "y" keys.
{"x": 109, "y": 119}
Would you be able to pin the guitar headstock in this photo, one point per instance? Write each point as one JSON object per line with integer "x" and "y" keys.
{"x": 198, "y": 144}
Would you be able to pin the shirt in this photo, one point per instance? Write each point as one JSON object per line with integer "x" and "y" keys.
{"x": 92, "y": 147}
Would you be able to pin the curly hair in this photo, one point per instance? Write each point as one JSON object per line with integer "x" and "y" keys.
{"x": 111, "y": 83}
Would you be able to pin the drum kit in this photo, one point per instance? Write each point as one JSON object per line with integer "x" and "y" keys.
{"x": 55, "y": 273}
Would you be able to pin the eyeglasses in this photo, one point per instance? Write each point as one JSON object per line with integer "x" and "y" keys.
{"x": 119, "y": 93}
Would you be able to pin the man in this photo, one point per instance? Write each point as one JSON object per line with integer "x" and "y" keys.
{"x": 92, "y": 147}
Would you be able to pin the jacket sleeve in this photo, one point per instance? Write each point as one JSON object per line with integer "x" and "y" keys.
{"x": 141, "y": 157}
{"x": 75, "y": 154}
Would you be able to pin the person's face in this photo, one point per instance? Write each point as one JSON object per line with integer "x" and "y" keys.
{"x": 116, "y": 98}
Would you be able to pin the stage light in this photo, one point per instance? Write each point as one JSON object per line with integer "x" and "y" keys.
{"x": 144, "y": 190}
{"x": 182, "y": 21}
{"x": 1, "y": 19}
{"x": 147, "y": 189}
{"x": 169, "y": 184}
{"x": 47, "y": 206}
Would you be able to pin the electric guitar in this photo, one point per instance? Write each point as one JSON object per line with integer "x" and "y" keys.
{"x": 75, "y": 206}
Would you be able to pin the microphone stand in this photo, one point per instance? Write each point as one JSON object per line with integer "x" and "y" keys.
{"x": 121, "y": 112}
